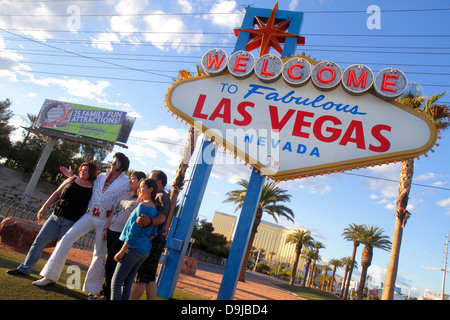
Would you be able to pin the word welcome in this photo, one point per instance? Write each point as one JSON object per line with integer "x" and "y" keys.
{"x": 357, "y": 79}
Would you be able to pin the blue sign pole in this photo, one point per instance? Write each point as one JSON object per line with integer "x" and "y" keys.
{"x": 241, "y": 237}
{"x": 182, "y": 226}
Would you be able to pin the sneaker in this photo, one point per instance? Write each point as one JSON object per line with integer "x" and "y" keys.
{"x": 16, "y": 272}
{"x": 92, "y": 296}
{"x": 43, "y": 282}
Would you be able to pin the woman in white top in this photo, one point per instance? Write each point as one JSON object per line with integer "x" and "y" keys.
{"x": 108, "y": 189}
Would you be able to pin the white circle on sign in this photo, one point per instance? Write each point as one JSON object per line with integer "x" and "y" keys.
{"x": 268, "y": 68}
{"x": 214, "y": 62}
{"x": 296, "y": 72}
{"x": 241, "y": 64}
{"x": 326, "y": 75}
{"x": 357, "y": 79}
{"x": 390, "y": 83}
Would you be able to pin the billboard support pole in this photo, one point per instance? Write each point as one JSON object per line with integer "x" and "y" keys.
{"x": 38, "y": 170}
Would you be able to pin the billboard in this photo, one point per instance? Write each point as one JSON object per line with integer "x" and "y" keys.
{"x": 67, "y": 119}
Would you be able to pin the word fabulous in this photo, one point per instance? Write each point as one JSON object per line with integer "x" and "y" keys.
{"x": 357, "y": 79}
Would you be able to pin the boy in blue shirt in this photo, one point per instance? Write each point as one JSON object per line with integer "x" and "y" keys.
{"x": 137, "y": 243}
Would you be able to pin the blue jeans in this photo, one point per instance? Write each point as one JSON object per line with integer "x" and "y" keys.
{"x": 55, "y": 226}
{"x": 123, "y": 278}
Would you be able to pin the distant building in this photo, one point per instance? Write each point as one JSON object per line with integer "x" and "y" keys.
{"x": 270, "y": 236}
{"x": 224, "y": 224}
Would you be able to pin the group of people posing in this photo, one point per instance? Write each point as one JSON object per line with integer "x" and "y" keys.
{"x": 128, "y": 216}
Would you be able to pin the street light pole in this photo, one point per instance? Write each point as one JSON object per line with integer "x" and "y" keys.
{"x": 445, "y": 269}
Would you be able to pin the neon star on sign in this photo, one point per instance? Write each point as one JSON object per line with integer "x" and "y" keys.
{"x": 270, "y": 34}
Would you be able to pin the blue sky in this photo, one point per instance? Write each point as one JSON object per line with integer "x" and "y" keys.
{"x": 123, "y": 54}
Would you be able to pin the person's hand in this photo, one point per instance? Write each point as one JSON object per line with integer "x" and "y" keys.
{"x": 40, "y": 214}
{"x": 105, "y": 234}
{"x": 67, "y": 172}
{"x": 143, "y": 221}
{"x": 119, "y": 256}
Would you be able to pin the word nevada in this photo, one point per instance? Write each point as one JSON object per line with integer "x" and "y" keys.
{"x": 357, "y": 79}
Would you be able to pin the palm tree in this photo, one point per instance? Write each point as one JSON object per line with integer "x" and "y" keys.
{"x": 309, "y": 254}
{"x": 269, "y": 202}
{"x": 352, "y": 233}
{"x": 347, "y": 262}
{"x": 271, "y": 254}
{"x": 326, "y": 277}
{"x": 300, "y": 238}
{"x": 189, "y": 148}
{"x": 370, "y": 237}
{"x": 336, "y": 263}
{"x": 316, "y": 245}
{"x": 316, "y": 270}
{"x": 439, "y": 114}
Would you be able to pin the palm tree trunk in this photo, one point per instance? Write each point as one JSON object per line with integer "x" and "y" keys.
{"x": 401, "y": 215}
{"x": 330, "y": 287}
{"x": 298, "y": 249}
{"x": 366, "y": 261}
{"x": 362, "y": 283}
{"x": 181, "y": 172}
{"x": 355, "y": 246}
{"x": 312, "y": 274}
{"x": 324, "y": 280}
{"x": 344, "y": 281}
{"x": 256, "y": 223}
{"x": 308, "y": 262}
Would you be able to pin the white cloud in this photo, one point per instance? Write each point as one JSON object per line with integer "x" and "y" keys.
{"x": 104, "y": 41}
{"x": 166, "y": 32}
{"x": 185, "y": 5}
{"x": 293, "y": 5}
{"x": 384, "y": 191}
{"x": 444, "y": 203}
{"x": 10, "y": 62}
{"x": 162, "y": 140}
{"x": 76, "y": 87}
{"x": 439, "y": 183}
{"x": 225, "y": 20}
{"x": 232, "y": 172}
{"x": 39, "y": 21}
{"x": 314, "y": 185}
{"x": 430, "y": 268}
{"x": 426, "y": 176}
{"x": 30, "y": 95}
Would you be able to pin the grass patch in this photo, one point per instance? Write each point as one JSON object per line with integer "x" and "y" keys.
{"x": 308, "y": 293}
{"x": 21, "y": 287}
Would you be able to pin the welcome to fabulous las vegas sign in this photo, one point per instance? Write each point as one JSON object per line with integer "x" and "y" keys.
{"x": 297, "y": 117}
